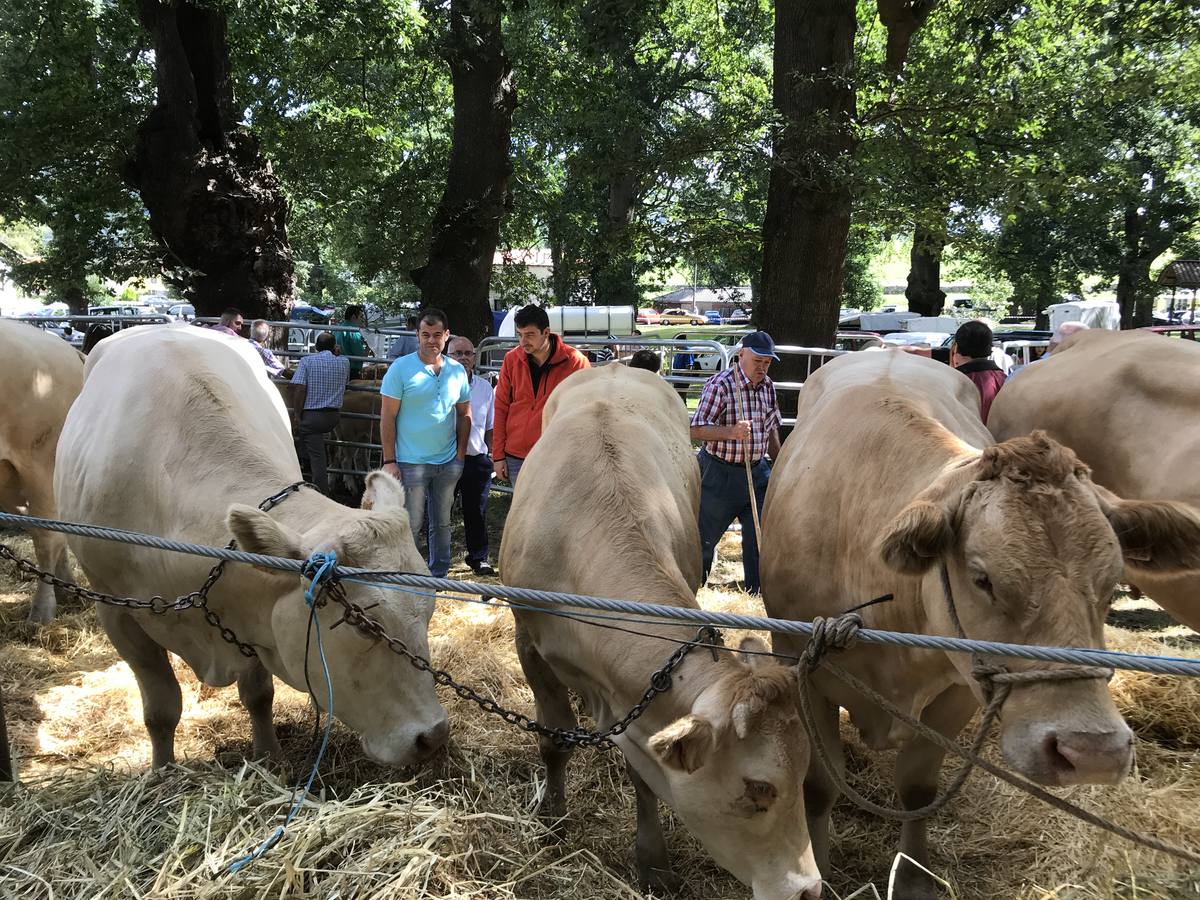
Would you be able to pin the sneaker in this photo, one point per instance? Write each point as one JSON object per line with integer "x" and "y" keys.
{"x": 483, "y": 568}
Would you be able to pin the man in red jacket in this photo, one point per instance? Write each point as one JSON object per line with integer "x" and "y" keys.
{"x": 530, "y": 372}
{"x": 971, "y": 354}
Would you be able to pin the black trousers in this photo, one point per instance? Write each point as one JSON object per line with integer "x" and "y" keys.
{"x": 474, "y": 485}
{"x": 310, "y": 442}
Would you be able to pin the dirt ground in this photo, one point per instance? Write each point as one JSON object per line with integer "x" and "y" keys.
{"x": 91, "y": 821}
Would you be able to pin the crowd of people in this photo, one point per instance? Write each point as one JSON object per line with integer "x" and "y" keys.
{"x": 446, "y": 432}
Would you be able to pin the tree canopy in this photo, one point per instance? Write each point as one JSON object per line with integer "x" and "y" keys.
{"x": 1040, "y": 144}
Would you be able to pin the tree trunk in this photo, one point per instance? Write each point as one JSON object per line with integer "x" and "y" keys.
{"x": 614, "y": 268}
{"x": 924, "y": 291}
{"x": 76, "y": 298}
{"x": 1135, "y": 294}
{"x": 458, "y": 274}
{"x": 808, "y": 201}
{"x": 212, "y": 197}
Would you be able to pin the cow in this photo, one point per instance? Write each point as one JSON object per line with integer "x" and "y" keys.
{"x": 1126, "y": 402}
{"x": 40, "y": 377}
{"x": 889, "y": 481}
{"x": 607, "y": 503}
{"x": 356, "y": 430}
{"x": 179, "y": 433}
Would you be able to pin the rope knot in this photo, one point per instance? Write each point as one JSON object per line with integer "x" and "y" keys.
{"x": 318, "y": 569}
{"x": 833, "y": 633}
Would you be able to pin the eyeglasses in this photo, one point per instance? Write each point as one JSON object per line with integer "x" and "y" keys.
{"x": 463, "y": 353}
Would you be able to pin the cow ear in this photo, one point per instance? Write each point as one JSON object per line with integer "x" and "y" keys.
{"x": 257, "y": 532}
{"x": 685, "y": 744}
{"x": 1155, "y": 535}
{"x": 917, "y": 537}
{"x": 752, "y": 651}
{"x": 384, "y": 493}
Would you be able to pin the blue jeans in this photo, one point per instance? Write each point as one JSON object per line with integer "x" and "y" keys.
{"x": 434, "y": 482}
{"x": 725, "y": 497}
{"x": 514, "y": 464}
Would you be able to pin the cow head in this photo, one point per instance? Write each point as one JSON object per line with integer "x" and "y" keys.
{"x": 1033, "y": 550}
{"x": 736, "y": 767}
{"x": 377, "y": 693}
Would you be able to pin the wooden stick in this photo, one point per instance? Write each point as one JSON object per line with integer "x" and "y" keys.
{"x": 737, "y": 403}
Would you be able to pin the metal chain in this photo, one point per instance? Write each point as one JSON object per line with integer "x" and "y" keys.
{"x": 158, "y": 605}
{"x": 660, "y": 681}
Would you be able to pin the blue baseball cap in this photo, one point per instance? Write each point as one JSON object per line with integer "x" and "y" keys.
{"x": 760, "y": 344}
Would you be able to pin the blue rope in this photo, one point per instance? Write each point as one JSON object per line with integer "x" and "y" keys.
{"x": 318, "y": 569}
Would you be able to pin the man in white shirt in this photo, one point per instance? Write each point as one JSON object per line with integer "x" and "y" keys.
{"x": 476, "y": 481}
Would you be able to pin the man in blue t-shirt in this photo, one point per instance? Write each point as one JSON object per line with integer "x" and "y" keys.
{"x": 426, "y": 418}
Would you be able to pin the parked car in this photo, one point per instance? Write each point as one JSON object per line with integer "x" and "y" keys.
{"x": 738, "y": 317}
{"x": 123, "y": 309}
{"x": 649, "y": 316}
{"x": 934, "y": 339}
{"x": 681, "y": 317}
{"x": 184, "y": 311}
{"x": 713, "y": 317}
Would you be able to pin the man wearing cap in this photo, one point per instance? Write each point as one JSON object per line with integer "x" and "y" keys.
{"x": 737, "y": 419}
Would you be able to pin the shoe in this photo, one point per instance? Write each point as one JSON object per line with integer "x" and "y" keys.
{"x": 483, "y": 568}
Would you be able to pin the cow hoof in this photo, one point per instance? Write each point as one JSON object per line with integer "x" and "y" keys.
{"x": 40, "y": 615}
{"x": 913, "y": 884}
{"x": 659, "y": 881}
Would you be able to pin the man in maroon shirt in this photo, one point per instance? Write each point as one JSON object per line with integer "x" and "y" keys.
{"x": 971, "y": 354}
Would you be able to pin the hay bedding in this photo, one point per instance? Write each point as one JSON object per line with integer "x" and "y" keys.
{"x": 90, "y": 822}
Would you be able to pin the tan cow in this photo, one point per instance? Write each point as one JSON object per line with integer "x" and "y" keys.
{"x": 359, "y": 431}
{"x": 888, "y": 476}
{"x": 1128, "y": 404}
{"x": 178, "y": 433}
{"x": 607, "y": 504}
{"x": 40, "y": 376}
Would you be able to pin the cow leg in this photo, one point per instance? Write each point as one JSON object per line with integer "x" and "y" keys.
{"x": 50, "y": 549}
{"x": 33, "y": 496}
{"x": 162, "y": 702}
{"x": 917, "y": 766}
{"x": 553, "y": 706}
{"x": 650, "y": 847}
{"x": 820, "y": 791}
{"x": 257, "y": 693}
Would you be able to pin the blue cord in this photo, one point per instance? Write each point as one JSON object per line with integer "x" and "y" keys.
{"x": 318, "y": 567}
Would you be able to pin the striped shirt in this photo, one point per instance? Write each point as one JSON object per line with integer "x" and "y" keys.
{"x": 729, "y": 393}
{"x": 325, "y": 375}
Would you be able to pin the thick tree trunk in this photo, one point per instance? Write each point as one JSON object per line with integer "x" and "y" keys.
{"x": 924, "y": 291}
{"x": 76, "y": 298}
{"x": 614, "y": 268}
{"x": 212, "y": 197}
{"x": 1135, "y": 291}
{"x": 466, "y": 228}
{"x": 808, "y": 201}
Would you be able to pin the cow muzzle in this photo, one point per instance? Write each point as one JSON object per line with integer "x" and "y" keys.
{"x": 411, "y": 746}
{"x": 1089, "y": 757}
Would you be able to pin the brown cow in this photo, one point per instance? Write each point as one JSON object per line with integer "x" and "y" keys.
{"x": 40, "y": 377}
{"x": 888, "y": 477}
{"x": 607, "y": 504}
{"x": 1127, "y": 403}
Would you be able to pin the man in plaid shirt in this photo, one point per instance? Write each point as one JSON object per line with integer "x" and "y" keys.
{"x": 737, "y": 419}
{"x": 320, "y": 383}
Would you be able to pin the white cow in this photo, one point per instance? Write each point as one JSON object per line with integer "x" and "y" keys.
{"x": 40, "y": 376}
{"x": 178, "y": 432}
{"x": 607, "y": 503}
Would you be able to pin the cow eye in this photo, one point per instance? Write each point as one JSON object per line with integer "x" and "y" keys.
{"x": 983, "y": 583}
{"x": 761, "y": 794}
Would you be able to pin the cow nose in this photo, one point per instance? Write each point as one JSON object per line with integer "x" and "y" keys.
{"x": 811, "y": 891}
{"x": 433, "y": 739}
{"x": 1093, "y": 757}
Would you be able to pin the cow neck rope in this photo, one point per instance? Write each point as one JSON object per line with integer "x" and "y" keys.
{"x": 840, "y": 632}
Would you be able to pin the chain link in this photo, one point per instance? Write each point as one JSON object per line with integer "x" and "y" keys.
{"x": 660, "y": 681}
{"x": 159, "y": 605}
